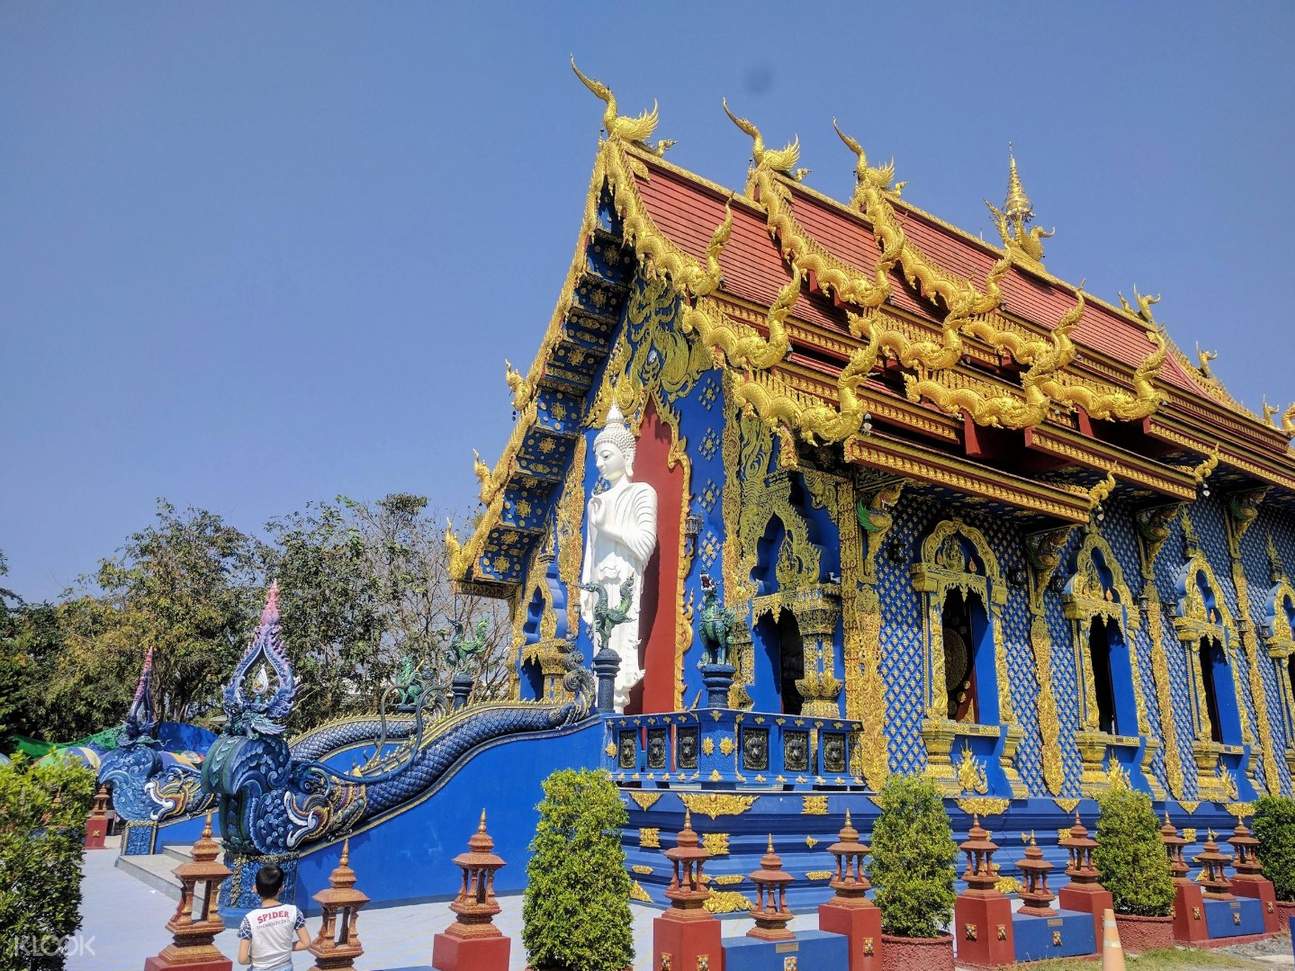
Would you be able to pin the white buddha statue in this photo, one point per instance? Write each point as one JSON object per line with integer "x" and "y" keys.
{"x": 620, "y": 537}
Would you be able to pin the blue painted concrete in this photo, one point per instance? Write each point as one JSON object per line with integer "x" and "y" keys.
{"x": 408, "y": 856}
{"x": 1033, "y": 936}
{"x": 1221, "y": 917}
{"x": 812, "y": 951}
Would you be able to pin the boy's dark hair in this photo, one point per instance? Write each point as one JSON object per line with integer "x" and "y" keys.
{"x": 268, "y": 880}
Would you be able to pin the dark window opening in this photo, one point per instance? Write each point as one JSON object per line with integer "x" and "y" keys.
{"x": 959, "y": 661}
{"x": 1209, "y": 659}
{"x": 1099, "y": 653}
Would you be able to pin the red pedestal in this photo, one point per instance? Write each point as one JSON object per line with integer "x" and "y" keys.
{"x": 685, "y": 940}
{"x": 1248, "y": 885}
{"x": 1087, "y": 900}
{"x": 450, "y": 953}
{"x": 1189, "y": 914}
{"x": 96, "y": 832}
{"x": 983, "y": 930}
{"x": 189, "y": 959}
{"x": 861, "y": 926}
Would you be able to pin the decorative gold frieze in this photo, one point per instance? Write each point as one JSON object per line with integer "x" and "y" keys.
{"x": 649, "y": 837}
{"x": 726, "y": 902}
{"x": 716, "y": 804}
{"x": 813, "y": 806}
{"x": 645, "y": 799}
{"x": 716, "y": 843}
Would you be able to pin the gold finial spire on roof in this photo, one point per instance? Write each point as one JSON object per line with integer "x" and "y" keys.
{"x": 1017, "y": 205}
{"x": 1024, "y": 246}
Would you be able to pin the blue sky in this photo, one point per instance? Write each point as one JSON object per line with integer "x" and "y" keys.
{"x": 253, "y": 255}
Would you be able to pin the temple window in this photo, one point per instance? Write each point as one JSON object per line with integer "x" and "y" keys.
{"x": 1099, "y": 654}
{"x": 962, "y": 632}
{"x": 1211, "y": 660}
{"x": 785, "y": 657}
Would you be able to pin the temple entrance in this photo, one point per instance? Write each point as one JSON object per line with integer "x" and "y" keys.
{"x": 1100, "y": 635}
{"x": 963, "y": 631}
{"x": 782, "y": 660}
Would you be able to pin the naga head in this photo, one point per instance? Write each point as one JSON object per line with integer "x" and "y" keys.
{"x": 781, "y": 160}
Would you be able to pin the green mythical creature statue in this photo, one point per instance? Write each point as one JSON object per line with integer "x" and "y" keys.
{"x": 717, "y": 622}
{"x": 605, "y": 617}
{"x": 410, "y": 684}
{"x": 464, "y": 649}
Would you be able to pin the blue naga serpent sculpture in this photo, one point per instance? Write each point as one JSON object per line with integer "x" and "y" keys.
{"x": 274, "y": 798}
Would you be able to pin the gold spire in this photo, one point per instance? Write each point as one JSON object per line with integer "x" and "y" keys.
{"x": 1017, "y": 205}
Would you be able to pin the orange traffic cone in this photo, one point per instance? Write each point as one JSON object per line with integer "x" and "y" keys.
{"x": 1112, "y": 952}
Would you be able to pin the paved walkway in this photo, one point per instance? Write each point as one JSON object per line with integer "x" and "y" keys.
{"x": 123, "y": 924}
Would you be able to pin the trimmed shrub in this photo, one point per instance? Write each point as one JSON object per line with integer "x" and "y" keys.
{"x": 575, "y": 914}
{"x": 42, "y": 830}
{"x": 1274, "y": 828}
{"x": 912, "y": 858}
{"x": 1131, "y": 856}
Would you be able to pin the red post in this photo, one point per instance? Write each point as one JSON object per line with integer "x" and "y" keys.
{"x": 473, "y": 942}
{"x": 96, "y": 825}
{"x": 850, "y": 912}
{"x": 687, "y": 935}
{"x": 338, "y": 943}
{"x": 196, "y": 922}
{"x": 982, "y": 916}
{"x": 1084, "y": 893}
{"x": 1249, "y": 881}
{"x": 770, "y": 911}
{"x": 1189, "y": 908}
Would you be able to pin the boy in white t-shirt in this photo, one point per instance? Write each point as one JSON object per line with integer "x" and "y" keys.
{"x": 268, "y": 935}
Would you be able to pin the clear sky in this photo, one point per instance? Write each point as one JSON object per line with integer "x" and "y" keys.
{"x": 256, "y": 254}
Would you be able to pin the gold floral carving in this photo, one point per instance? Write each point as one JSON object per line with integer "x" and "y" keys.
{"x": 726, "y": 902}
{"x": 570, "y": 543}
{"x": 641, "y": 870}
{"x": 813, "y": 806}
{"x": 1243, "y": 509}
{"x": 638, "y": 893}
{"x": 715, "y": 843}
{"x": 1153, "y": 530}
{"x": 649, "y": 837}
{"x": 1044, "y": 557}
{"x": 819, "y": 874}
{"x": 983, "y": 805}
{"x": 714, "y": 804}
{"x": 645, "y": 800}
{"x": 727, "y": 879}
{"x": 1067, "y": 806}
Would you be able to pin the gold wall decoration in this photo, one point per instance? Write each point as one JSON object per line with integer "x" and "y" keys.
{"x": 971, "y": 773}
{"x": 641, "y": 870}
{"x": 715, "y": 804}
{"x": 727, "y": 879}
{"x": 813, "y": 805}
{"x": 1025, "y": 246}
{"x": 638, "y": 893}
{"x": 1153, "y": 529}
{"x": 1043, "y": 553}
{"x": 811, "y": 842}
{"x": 570, "y": 542}
{"x": 716, "y": 843}
{"x": 644, "y": 799}
{"x": 727, "y": 902}
{"x": 1067, "y": 805}
{"x": 649, "y": 837}
{"x": 983, "y": 805}
{"x": 819, "y": 874}
{"x": 1242, "y": 510}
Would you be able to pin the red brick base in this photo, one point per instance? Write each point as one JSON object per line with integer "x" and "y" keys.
{"x": 862, "y": 927}
{"x": 450, "y": 953}
{"x": 1139, "y": 934}
{"x": 916, "y": 953}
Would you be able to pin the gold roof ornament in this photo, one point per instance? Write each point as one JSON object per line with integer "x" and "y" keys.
{"x": 1024, "y": 246}
{"x": 623, "y": 128}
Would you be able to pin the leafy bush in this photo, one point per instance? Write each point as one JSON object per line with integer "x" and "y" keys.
{"x": 1274, "y": 825}
{"x": 42, "y": 828}
{"x": 1131, "y": 856}
{"x": 576, "y": 915}
{"x": 912, "y": 858}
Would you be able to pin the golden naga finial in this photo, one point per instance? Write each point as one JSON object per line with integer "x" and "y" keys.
{"x": 454, "y": 550}
{"x": 484, "y": 475}
{"x": 1202, "y": 472}
{"x": 879, "y": 176}
{"x": 1144, "y": 304}
{"x": 1203, "y": 359}
{"x": 624, "y": 128}
{"x": 1099, "y": 493}
{"x": 1022, "y": 244}
{"x": 1288, "y": 420}
{"x": 1268, "y": 412}
{"x": 776, "y": 159}
{"x": 520, "y": 387}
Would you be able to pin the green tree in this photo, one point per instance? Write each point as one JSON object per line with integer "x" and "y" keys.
{"x": 575, "y": 914}
{"x": 912, "y": 858}
{"x": 42, "y": 817}
{"x": 189, "y": 586}
{"x": 363, "y": 586}
{"x": 1130, "y": 854}
{"x": 1274, "y": 824}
